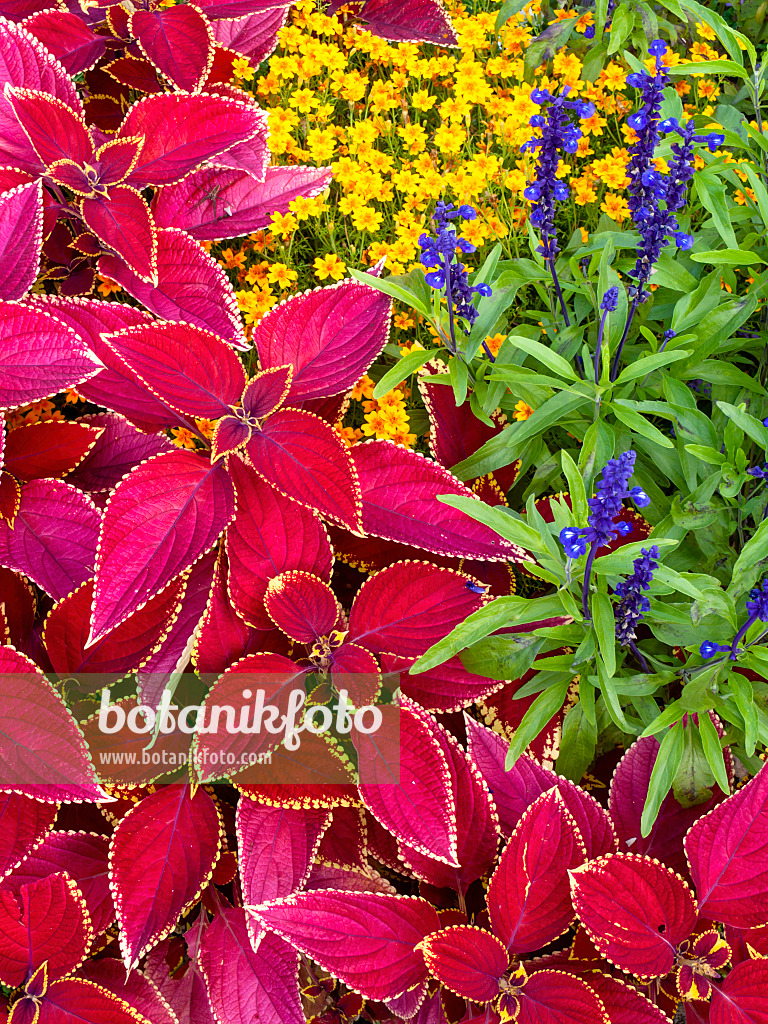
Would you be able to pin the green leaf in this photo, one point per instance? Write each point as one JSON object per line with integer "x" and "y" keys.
{"x": 743, "y": 694}
{"x": 701, "y": 451}
{"x": 663, "y": 775}
{"x": 650, "y": 363}
{"x": 507, "y": 11}
{"x": 502, "y": 657}
{"x": 729, "y": 257}
{"x": 621, "y": 25}
{"x": 550, "y": 359}
{"x": 575, "y": 487}
{"x": 504, "y": 524}
{"x": 611, "y": 696}
{"x": 458, "y": 375}
{"x": 402, "y": 370}
{"x": 547, "y": 44}
{"x": 632, "y": 419}
{"x": 709, "y": 67}
{"x": 713, "y": 752}
{"x": 674, "y": 579}
{"x": 605, "y": 628}
{"x": 578, "y": 743}
{"x": 751, "y": 426}
{"x": 719, "y": 372}
{"x": 489, "y": 310}
{"x": 711, "y": 193}
{"x": 727, "y": 36}
{"x": 503, "y": 611}
{"x": 620, "y": 561}
{"x": 748, "y": 564}
{"x": 546, "y": 706}
{"x": 406, "y": 288}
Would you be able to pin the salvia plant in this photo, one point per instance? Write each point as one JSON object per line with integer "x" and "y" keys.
{"x": 556, "y": 602}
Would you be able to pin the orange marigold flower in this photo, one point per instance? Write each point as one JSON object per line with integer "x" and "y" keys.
{"x": 522, "y": 411}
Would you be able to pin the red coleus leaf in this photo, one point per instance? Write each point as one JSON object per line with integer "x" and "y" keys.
{"x": 77, "y": 1001}
{"x": 409, "y": 606}
{"x": 406, "y": 1006}
{"x": 178, "y": 41}
{"x": 18, "y": 605}
{"x": 222, "y": 202}
{"x": 554, "y": 997}
{"x": 117, "y": 158}
{"x": 83, "y": 856}
{"x": 10, "y": 497}
{"x": 635, "y": 910}
{"x": 329, "y": 335}
{"x": 305, "y": 459}
{"x": 42, "y": 752}
{"x": 255, "y": 35}
{"x": 266, "y": 391}
{"x": 727, "y": 852}
{"x": 160, "y": 519}
{"x": 135, "y": 73}
{"x": 21, "y": 236}
{"x": 467, "y": 960}
{"x": 328, "y": 876}
{"x": 423, "y": 21}
{"x": 162, "y": 854}
{"x": 118, "y": 448}
{"x": 184, "y": 989}
{"x": 23, "y": 824}
{"x": 43, "y": 921}
{"x": 740, "y": 999}
{"x": 400, "y": 489}
{"x": 182, "y": 130}
{"x": 120, "y": 651}
{"x": 476, "y": 825}
{"x": 302, "y": 606}
{"x": 629, "y": 788}
{"x": 122, "y": 222}
{"x": 623, "y": 1004}
{"x": 449, "y": 687}
{"x": 269, "y": 535}
{"x": 51, "y": 448}
{"x": 278, "y": 678}
{"x": 406, "y": 784}
{"x": 367, "y": 940}
{"x": 39, "y": 356}
{"x": 346, "y": 843}
{"x": 276, "y": 847}
{"x": 244, "y": 983}
{"x": 68, "y": 38}
{"x": 188, "y": 368}
{"x": 192, "y": 287}
{"x": 52, "y": 126}
{"x": 528, "y": 895}
{"x": 116, "y": 386}
{"x": 135, "y": 989}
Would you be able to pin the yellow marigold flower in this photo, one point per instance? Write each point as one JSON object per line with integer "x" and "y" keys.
{"x": 402, "y": 321}
{"x": 421, "y": 100}
{"x": 615, "y": 206}
{"x": 303, "y": 100}
{"x": 241, "y": 68}
{"x": 584, "y": 236}
{"x": 321, "y": 143}
{"x": 281, "y": 275}
{"x": 494, "y": 343}
{"x": 414, "y": 137}
{"x": 107, "y": 286}
{"x": 182, "y": 437}
{"x": 206, "y": 427}
{"x": 365, "y": 218}
{"x": 522, "y": 411}
{"x": 403, "y": 437}
{"x": 375, "y": 423}
{"x": 329, "y": 266}
{"x": 363, "y": 389}
{"x": 454, "y": 108}
{"x": 705, "y": 31}
{"x": 583, "y": 190}
{"x": 71, "y": 397}
{"x": 583, "y": 23}
{"x": 283, "y": 224}
{"x": 231, "y": 260}
{"x": 594, "y": 125}
{"x": 348, "y": 434}
{"x": 449, "y": 138}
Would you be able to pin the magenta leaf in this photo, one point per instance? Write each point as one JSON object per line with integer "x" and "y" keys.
{"x": 68, "y": 38}
{"x": 48, "y": 448}
{"x": 346, "y": 843}
{"x": 329, "y": 335}
{"x": 302, "y": 606}
{"x": 117, "y": 159}
{"x": 741, "y": 997}
{"x": 305, "y": 459}
{"x": 21, "y": 236}
{"x": 122, "y": 222}
{"x": 349, "y": 879}
{"x": 477, "y": 826}
{"x": 44, "y": 921}
{"x": 449, "y": 687}
{"x": 423, "y": 21}
{"x": 249, "y": 983}
{"x": 268, "y": 535}
{"x": 406, "y": 782}
{"x": 25, "y": 62}
{"x": 188, "y": 368}
{"x": 635, "y": 911}
{"x": 216, "y": 9}
{"x": 367, "y": 940}
{"x": 624, "y": 1004}
{"x": 182, "y": 130}
{"x": 407, "y": 1005}
{"x": 24, "y": 822}
{"x": 115, "y": 452}
{"x": 39, "y": 356}
{"x": 629, "y": 788}
{"x": 185, "y": 991}
{"x": 230, "y": 434}
{"x": 42, "y": 753}
{"x": 192, "y": 287}
{"x": 135, "y": 989}
{"x": 266, "y": 392}
{"x": 78, "y": 1001}
{"x": 178, "y": 41}
{"x": 162, "y": 855}
{"x": 83, "y": 856}
{"x": 400, "y": 489}
{"x": 528, "y": 896}
{"x": 276, "y": 847}
{"x": 218, "y": 748}
{"x": 409, "y": 606}
{"x": 116, "y": 386}
{"x": 727, "y": 851}
{"x": 52, "y": 126}
{"x": 554, "y": 997}
{"x": 160, "y": 519}
{"x": 467, "y": 960}
{"x": 53, "y": 538}
{"x": 254, "y": 35}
